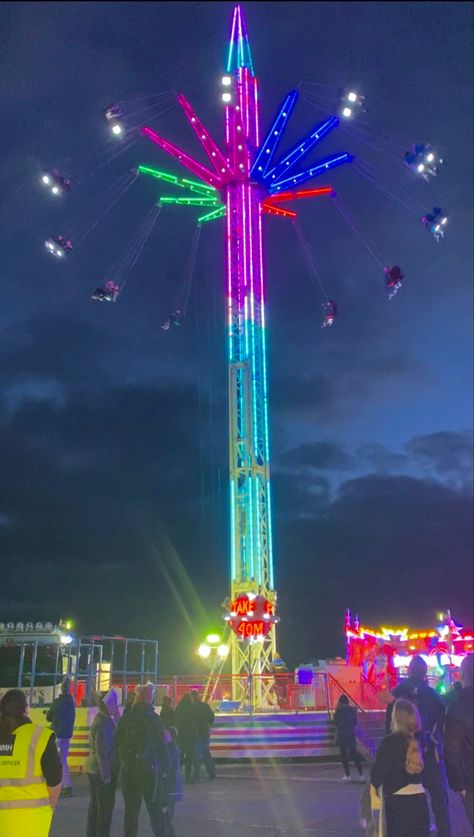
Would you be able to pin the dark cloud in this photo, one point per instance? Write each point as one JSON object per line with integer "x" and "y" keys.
{"x": 356, "y": 380}
{"x": 394, "y": 549}
{"x": 446, "y": 454}
{"x": 377, "y": 457}
{"x": 322, "y": 456}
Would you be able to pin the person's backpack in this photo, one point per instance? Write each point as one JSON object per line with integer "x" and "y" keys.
{"x": 137, "y": 751}
{"x": 428, "y": 737}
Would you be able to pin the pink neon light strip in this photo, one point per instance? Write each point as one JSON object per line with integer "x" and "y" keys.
{"x": 239, "y": 140}
{"x": 257, "y": 115}
{"x": 184, "y": 159}
{"x": 210, "y": 146}
{"x": 245, "y": 82}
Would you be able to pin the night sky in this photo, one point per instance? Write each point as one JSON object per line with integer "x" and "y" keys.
{"x": 113, "y": 500}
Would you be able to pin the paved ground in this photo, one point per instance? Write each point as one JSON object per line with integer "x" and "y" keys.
{"x": 266, "y": 801}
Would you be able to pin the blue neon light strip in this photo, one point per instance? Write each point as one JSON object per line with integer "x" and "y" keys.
{"x": 314, "y": 171}
{"x": 267, "y": 151}
{"x": 301, "y": 149}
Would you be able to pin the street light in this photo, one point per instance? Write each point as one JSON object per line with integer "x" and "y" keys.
{"x": 213, "y": 648}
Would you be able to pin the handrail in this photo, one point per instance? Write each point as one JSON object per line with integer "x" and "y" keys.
{"x": 332, "y": 679}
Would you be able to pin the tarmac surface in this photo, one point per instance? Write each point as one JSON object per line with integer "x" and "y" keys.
{"x": 280, "y": 800}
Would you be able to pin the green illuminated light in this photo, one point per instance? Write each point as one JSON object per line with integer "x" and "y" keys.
{"x": 181, "y": 182}
{"x": 202, "y": 201}
{"x": 212, "y": 216}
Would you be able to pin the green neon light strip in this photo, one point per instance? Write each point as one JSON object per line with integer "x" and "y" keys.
{"x": 182, "y": 182}
{"x": 191, "y": 201}
{"x": 212, "y": 216}
{"x": 199, "y": 187}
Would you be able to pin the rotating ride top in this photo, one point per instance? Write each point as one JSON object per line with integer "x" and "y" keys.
{"x": 246, "y": 180}
{"x": 384, "y": 654}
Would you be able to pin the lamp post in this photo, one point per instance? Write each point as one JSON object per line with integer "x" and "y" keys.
{"x": 213, "y": 651}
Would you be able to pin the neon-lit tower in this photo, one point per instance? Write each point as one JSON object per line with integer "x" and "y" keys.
{"x": 245, "y": 184}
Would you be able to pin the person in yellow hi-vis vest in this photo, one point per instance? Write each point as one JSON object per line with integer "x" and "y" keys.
{"x": 30, "y": 771}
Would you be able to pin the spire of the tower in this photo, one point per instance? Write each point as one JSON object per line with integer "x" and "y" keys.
{"x": 239, "y": 47}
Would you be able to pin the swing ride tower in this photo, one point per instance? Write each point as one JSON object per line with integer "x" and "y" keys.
{"x": 244, "y": 184}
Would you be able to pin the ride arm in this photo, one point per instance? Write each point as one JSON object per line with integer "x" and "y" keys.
{"x": 183, "y": 158}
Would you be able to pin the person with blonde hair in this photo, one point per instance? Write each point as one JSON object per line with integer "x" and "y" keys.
{"x": 398, "y": 771}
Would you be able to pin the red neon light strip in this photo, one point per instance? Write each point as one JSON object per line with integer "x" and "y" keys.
{"x": 210, "y": 146}
{"x": 301, "y": 193}
{"x": 184, "y": 159}
{"x": 268, "y": 209}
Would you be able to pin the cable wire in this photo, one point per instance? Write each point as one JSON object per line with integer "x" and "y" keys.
{"x": 152, "y": 118}
{"x": 186, "y": 290}
{"x": 358, "y": 166}
{"x": 309, "y": 259}
{"x": 163, "y": 93}
{"x": 87, "y": 230}
{"x": 135, "y": 248}
{"x": 346, "y": 215}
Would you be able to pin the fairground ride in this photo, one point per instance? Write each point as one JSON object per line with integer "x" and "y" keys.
{"x": 245, "y": 181}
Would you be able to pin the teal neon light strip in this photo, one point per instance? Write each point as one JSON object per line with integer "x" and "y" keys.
{"x": 269, "y": 536}
{"x": 232, "y": 531}
{"x": 250, "y": 511}
{"x": 240, "y": 38}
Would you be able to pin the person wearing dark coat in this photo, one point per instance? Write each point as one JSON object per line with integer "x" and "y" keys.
{"x": 397, "y": 774}
{"x": 61, "y": 715}
{"x": 102, "y": 767}
{"x": 144, "y": 763}
{"x": 345, "y": 721}
{"x": 204, "y": 718}
{"x": 458, "y": 739}
{"x": 187, "y": 732}
{"x": 167, "y": 713}
{"x": 433, "y": 715}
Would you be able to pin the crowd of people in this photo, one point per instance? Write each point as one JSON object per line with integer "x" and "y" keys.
{"x": 138, "y": 750}
{"x": 428, "y": 745}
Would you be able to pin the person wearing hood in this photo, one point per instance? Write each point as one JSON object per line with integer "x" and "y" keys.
{"x": 61, "y": 715}
{"x": 144, "y": 763}
{"x": 102, "y": 766}
{"x": 187, "y": 732}
{"x": 458, "y": 739}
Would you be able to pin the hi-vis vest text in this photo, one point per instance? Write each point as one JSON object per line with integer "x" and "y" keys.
{"x": 22, "y": 784}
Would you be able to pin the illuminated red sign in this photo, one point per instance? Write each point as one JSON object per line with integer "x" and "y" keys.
{"x": 251, "y": 617}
